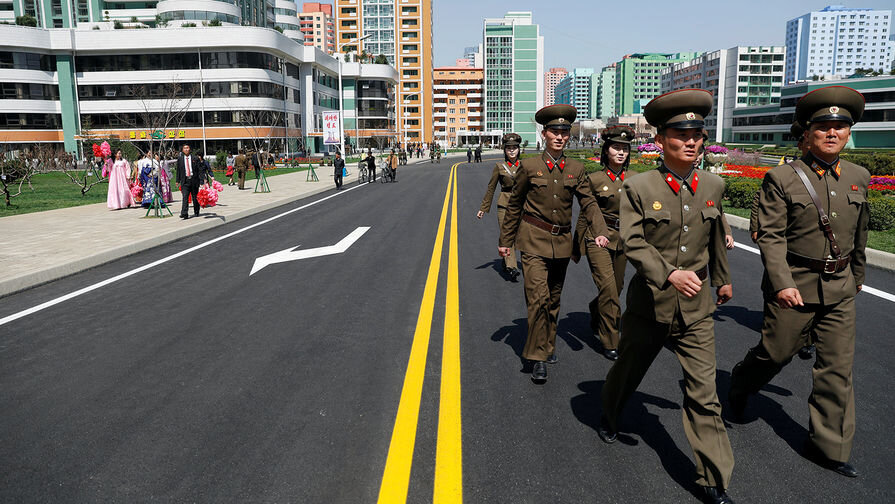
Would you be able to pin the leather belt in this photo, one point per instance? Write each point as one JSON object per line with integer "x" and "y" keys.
{"x": 827, "y": 266}
{"x": 612, "y": 222}
{"x": 702, "y": 273}
{"x": 554, "y": 229}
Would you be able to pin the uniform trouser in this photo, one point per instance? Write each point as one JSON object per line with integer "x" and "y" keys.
{"x": 831, "y": 405}
{"x": 544, "y": 278}
{"x": 608, "y": 270}
{"x": 242, "y": 178}
{"x": 509, "y": 261}
{"x": 694, "y": 345}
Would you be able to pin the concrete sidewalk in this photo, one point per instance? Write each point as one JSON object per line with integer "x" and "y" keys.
{"x": 40, "y": 247}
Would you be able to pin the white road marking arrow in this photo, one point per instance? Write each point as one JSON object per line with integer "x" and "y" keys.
{"x": 290, "y": 255}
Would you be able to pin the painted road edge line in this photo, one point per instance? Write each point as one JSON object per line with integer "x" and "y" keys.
{"x": 448, "y": 488}
{"x": 108, "y": 281}
{"x": 869, "y": 290}
{"x": 396, "y": 476}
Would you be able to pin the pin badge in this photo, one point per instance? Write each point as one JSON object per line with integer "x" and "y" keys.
{"x": 690, "y": 116}
{"x": 605, "y": 188}
{"x": 834, "y": 109}
{"x": 854, "y": 188}
{"x": 657, "y": 205}
{"x": 540, "y": 174}
{"x": 710, "y": 203}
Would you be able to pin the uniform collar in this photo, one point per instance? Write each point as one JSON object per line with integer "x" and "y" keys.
{"x": 550, "y": 162}
{"x": 820, "y": 167}
{"x": 674, "y": 181}
{"x": 512, "y": 165}
{"x": 614, "y": 175}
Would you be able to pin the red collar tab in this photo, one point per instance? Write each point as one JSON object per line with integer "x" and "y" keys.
{"x": 613, "y": 176}
{"x": 820, "y": 170}
{"x": 695, "y": 182}
{"x": 562, "y": 164}
{"x": 672, "y": 183}
{"x": 710, "y": 203}
{"x": 514, "y": 165}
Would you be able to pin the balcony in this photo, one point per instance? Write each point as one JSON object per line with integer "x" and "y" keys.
{"x": 440, "y": 114}
{"x": 442, "y": 124}
{"x": 474, "y": 123}
{"x": 477, "y": 113}
{"x": 474, "y": 95}
{"x": 440, "y": 104}
{"x": 440, "y": 95}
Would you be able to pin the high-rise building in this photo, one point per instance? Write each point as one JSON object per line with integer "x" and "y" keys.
{"x": 737, "y": 77}
{"x": 551, "y": 79}
{"x": 605, "y": 107}
{"x": 458, "y": 106}
{"x": 78, "y": 13}
{"x": 318, "y": 26}
{"x": 514, "y": 69}
{"x": 578, "y": 89}
{"x": 638, "y": 78}
{"x": 474, "y": 55}
{"x": 402, "y": 33}
{"x": 837, "y": 41}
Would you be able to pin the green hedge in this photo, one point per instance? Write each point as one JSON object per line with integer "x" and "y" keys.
{"x": 876, "y": 164}
{"x": 741, "y": 191}
{"x": 882, "y": 213}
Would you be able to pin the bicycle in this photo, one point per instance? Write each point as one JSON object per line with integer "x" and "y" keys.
{"x": 386, "y": 173}
{"x": 362, "y": 173}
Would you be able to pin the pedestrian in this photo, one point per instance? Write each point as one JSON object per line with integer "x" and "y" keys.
{"x": 119, "y": 195}
{"x": 338, "y": 167}
{"x": 538, "y": 221}
{"x": 230, "y": 170}
{"x": 672, "y": 235}
{"x": 813, "y": 249}
{"x": 469, "y": 154}
{"x": 392, "y": 164}
{"x": 478, "y": 153}
{"x": 256, "y": 163}
{"x": 504, "y": 173}
{"x": 241, "y": 163}
{"x": 607, "y": 264}
{"x": 438, "y": 156}
{"x": 431, "y": 156}
{"x": 190, "y": 175}
{"x": 371, "y": 165}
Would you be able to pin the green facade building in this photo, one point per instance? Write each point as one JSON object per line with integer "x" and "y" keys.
{"x": 639, "y": 77}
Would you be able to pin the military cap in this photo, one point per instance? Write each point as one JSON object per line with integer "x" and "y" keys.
{"x": 617, "y": 134}
{"x": 511, "y": 139}
{"x": 796, "y": 130}
{"x": 831, "y": 103}
{"x": 556, "y": 116}
{"x": 683, "y": 109}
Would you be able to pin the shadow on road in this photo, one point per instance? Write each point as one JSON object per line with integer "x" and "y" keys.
{"x": 497, "y": 265}
{"x": 637, "y": 419}
{"x": 575, "y": 330}
{"x": 750, "y": 319}
{"x": 513, "y": 335}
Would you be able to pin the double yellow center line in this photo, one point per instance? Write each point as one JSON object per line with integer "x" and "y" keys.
{"x": 449, "y": 454}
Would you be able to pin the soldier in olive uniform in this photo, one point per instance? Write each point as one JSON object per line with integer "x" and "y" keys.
{"x": 538, "y": 221}
{"x": 812, "y": 232}
{"x": 505, "y": 173}
{"x": 673, "y": 236}
{"x": 607, "y": 264}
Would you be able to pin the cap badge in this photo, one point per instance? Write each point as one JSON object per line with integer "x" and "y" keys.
{"x": 624, "y": 134}
{"x": 657, "y": 205}
{"x": 690, "y": 116}
{"x": 561, "y": 120}
{"x": 834, "y": 109}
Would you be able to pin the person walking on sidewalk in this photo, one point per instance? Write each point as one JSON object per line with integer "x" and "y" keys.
{"x": 119, "y": 195}
{"x": 469, "y": 154}
{"x": 230, "y": 169}
{"x": 338, "y": 167}
{"x": 392, "y": 164}
{"x": 190, "y": 175}
{"x": 241, "y": 163}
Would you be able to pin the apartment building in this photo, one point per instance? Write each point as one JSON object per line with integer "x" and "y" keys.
{"x": 459, "y": 115}
{"x": 552, "y": 77}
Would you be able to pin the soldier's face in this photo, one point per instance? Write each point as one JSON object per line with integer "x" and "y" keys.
{"x": 680, "y": 145}
{"x": 618, "y": 153}
{"x": 827, "y": 137}
{"x": 556, "y": 139}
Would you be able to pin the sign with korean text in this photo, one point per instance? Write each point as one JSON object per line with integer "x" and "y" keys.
{"x": 331, "y": 128}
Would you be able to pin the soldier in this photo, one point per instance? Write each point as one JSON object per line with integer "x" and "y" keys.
{"x": 538, "y": 221}
{"x": 607, "y": 264}
{"x": 242, "y": 165}
{"x": 812, "y": 232}
{"x": 673, "y": 236}
{"x": 505, "y": 173}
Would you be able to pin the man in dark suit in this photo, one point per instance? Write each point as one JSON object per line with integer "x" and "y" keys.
{"x": 256, "y": 162}
{"x": 190, "y": 174}
{"x": 338, "y": 166}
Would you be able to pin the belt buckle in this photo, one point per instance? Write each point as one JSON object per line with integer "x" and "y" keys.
{"x": 830, "y": 266}
{"x": 555, "y": 230}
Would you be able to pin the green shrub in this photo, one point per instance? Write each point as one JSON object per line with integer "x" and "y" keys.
{"x": 188, "y": 25}
{"x": 214, "y": 22}
{"x": 882, "y": 213}
{"x": 220, "y": 160}
{"x": 876, "y": 164}
{"x": 26, "y": 20}
{"x": 117, "y": 25}
{"x": 741, "y": 191}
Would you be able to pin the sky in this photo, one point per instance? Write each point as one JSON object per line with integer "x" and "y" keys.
{"x": 596, "y": 33}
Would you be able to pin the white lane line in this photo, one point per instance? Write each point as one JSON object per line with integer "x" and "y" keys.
{"x": 91, "y": 288}
{"x": 869, "y": 290}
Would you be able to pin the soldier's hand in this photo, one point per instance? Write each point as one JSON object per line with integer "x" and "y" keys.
{"x": 787, "y": 298}
{"x": 859, "y": 288}
{"x": 728, "y": 241}
{"x": 479, "y": 214}
{"x": 724, "y": 293}
{"x": 686, "y": 282}
{"x": 754, "y": 236}
{"x": 503, "y": 251}
{"x": 601, "y": 241}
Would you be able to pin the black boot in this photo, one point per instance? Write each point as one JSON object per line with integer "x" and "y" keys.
{"x": 715, "y": 495}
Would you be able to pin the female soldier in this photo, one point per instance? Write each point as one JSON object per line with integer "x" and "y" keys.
{"x": 607, "y": 265}
{"x": 505, "y": 173}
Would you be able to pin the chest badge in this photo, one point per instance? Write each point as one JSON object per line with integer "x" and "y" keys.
{"x": 854, "y": 188}
{"x": 540, "y": 174}
{"x": 710, "y": 203}
{"x": 657, "y": 205}
{"x": 570, "y": 176}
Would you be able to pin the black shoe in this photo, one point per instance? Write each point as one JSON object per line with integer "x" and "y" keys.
{"x": 553, "y": 359}
{"x": 813, "y": 453}
{"x": 714, "y": 495}
{"x": 514, "y": 274}
{"x": 605, "y": 432}
{"x": 539, "y": 372}
{"x": 611, "y": 354}
{"x": 184, "y": 217}
{"x": 806, "y": 352}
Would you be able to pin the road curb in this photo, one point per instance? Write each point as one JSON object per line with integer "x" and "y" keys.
{"x": 876, "y": 258}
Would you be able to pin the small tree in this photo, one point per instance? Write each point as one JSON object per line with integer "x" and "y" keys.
{"x": 15, "y": 172}
{"x": 214, "y": 22}
{"x": 26, "y": 20}
{"x": 117, "y": 25}
{"x": 381, "y": 60}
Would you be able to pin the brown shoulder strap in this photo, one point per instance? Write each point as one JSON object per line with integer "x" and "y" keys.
{"x": 824, "y": 220}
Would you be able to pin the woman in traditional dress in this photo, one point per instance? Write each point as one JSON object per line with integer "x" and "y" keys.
{"x": 164, "y": 174}
{"x": 119, "y": 190}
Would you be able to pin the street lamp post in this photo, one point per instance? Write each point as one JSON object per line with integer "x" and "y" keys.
{"x": 405, "y": 116}
{"x": 341, "y": 107}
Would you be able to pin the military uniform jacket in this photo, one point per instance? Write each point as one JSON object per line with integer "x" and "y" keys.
{"x": 546, "y": 193}
{"x": 504, "y": 173}
{"x": 607, "y": 189}
{"x": 788, "y": 222}
{"x": 668, "y": 225}
{"x": 753, "y": 213}
{"x": 241, "y": 162}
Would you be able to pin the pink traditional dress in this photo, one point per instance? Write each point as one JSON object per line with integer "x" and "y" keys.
{"x": 119, "y": 190}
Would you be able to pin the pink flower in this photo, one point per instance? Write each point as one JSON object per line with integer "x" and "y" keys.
{"x": 106, "y": 149}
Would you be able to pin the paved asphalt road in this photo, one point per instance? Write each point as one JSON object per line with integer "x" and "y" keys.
{"x": 193, "y": 381}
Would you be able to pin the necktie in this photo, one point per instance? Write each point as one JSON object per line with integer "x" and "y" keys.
{"x": 189, "y": 169}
